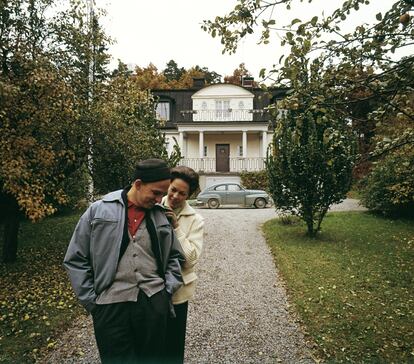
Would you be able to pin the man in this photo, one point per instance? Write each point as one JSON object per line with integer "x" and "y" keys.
{"x": 124, "y": 264}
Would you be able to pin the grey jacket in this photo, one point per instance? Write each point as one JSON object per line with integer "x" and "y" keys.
{"x": 94, "y": 251}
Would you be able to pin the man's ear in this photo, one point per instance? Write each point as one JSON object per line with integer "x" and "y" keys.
{"x": 138, "y": 184}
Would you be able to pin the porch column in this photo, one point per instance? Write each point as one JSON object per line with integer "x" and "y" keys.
{"x": 244, "y": 150}
{"x": 264, "y": 143}
{"x": 244, "y": 144}
{"x": 201, "y": 149}
{"x": 201, "y": 144}
{"x": 181, "y": 142}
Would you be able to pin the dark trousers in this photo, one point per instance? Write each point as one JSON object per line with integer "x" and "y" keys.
{"x": 132, "y": 332}
{"x": 176, "y": 329}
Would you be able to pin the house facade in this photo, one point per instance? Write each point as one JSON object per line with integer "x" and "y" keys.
{"x": 221, "y": 129}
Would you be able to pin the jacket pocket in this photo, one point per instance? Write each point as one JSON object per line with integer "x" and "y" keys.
{"x": 104, "y": 234}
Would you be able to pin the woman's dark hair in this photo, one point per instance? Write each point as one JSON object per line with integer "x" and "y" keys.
{"x": 188, "y": 175}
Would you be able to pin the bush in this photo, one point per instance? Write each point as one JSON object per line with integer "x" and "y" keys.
{"x": 389, "y": 189}
{"x": 255, "y": 180}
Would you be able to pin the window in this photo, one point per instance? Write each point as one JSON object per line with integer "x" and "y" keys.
{"x": 205, "y": 151}
{"x": 240, "y": 150}
{"x": 222, "y": 109}
{"x": 233, "y": 188}
{"x": 241, "y": 105}
{"x": 204, "y": 105}
{"x": 221, "y": 188}
{"x": 163, "y": 110}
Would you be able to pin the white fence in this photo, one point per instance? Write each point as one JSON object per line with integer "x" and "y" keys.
{"x": 236, "y": 164}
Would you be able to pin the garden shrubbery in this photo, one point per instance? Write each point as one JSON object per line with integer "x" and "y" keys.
{"x": 389, "y": 188}
{"x": 255, "y": 180}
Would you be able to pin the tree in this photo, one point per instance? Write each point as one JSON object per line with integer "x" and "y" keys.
{"x": 384, "y": 76}
{"x": 149, "y": 78}
{"x": 36, "y": 120}
{"x": 334, "y": 78}
{"x": 45, "y": 98}
{"x": 127, "y": 111}
{"x": 121, "y": 70}
{"x": 211, "y": 77}
{"x": 313, "y": 150}
{"x": 238, "y": 74}
{"x": 172, "y": 71}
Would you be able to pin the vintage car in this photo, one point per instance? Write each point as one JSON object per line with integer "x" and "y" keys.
{"x": 232, "y": 194}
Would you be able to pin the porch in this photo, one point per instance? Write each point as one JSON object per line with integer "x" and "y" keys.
{"x": 231, "y": 165}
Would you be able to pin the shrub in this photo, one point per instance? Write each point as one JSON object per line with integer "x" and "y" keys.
{"x": 389, "y": 189}
{"x": 255, "y": 180}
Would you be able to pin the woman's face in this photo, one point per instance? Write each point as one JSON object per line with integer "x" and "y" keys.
{"x": 177, "y": 193}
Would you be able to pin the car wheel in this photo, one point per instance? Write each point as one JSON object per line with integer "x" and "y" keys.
{"x": 213, "y": 203}
{"x": 260, "y": 203}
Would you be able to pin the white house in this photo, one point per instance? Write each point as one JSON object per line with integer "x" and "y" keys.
{"x": 221, "y": 129}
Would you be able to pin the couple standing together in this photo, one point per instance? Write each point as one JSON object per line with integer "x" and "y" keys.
{"x": 131, "y": 264}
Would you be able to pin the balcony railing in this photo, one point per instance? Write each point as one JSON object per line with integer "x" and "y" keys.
{"x": 222, "y": 115}
{"x": 238, "y": 164}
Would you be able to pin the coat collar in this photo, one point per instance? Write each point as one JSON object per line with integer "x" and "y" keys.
{"x": 186, "y": 211}
{"x": 117, "y": 196}
{"x": 113, "y": 196}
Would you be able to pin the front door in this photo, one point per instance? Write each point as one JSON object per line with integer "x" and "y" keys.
{"x": 222, "y": 157}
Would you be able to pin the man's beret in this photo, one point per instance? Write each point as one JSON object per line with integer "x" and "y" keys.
{"x": 152, "y": 170}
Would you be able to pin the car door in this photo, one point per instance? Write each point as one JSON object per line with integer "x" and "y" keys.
{"x": 235, "y": 194}
{"x": 221, "y": 191}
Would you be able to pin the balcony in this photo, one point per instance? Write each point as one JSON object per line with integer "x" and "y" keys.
{"x": 223, "y": 115}
{"x": 208, "y": 165}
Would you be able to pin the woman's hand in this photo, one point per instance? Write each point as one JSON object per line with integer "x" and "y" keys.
{"x": 172, "y": 218}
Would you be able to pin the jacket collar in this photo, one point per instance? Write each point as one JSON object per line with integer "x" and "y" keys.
{"x": 186, "y": 211}
{"x": 113, "y": 196}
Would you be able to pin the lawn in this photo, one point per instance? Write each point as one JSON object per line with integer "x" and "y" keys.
{"x": 352, "y": 286}
{"x": 36, "y": 300}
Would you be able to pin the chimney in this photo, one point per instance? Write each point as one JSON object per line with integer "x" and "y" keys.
{"x": 247, "y": 82}
{"x": 198, "y": 82}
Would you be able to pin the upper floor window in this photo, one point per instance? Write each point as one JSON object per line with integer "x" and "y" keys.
{"x": 163, "y": 110}
{"x": 204, "y": 105}
{"x": 222, "y": 108}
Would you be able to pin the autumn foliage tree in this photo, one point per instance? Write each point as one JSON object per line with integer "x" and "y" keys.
{"x": 172, "y": 77}
{"x": 37, "y": 121}
{"x": 56, "y": 111}
{"x": 238, "y": 74}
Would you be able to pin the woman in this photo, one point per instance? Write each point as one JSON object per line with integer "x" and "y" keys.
{"x": 189, "y": 229}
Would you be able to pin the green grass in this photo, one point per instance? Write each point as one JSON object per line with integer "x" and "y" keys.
{"x": 36, "y": 300}
{"x": 352, "y": 286}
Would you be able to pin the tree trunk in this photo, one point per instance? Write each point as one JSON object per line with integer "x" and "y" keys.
{"x": 11, "y": 230}
{"x": 311, "y": 230}
{"x": 308, "y": 217}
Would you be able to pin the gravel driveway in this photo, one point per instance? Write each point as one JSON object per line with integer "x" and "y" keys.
{"x": 240, "y": 312}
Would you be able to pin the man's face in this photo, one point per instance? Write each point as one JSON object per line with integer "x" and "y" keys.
{"x": 148, "y": 194}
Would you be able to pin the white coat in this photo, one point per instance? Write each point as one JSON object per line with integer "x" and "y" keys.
{"x": 189, "y": 233}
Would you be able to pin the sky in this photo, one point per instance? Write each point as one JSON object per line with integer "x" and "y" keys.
{"x": 161, "y": 30}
